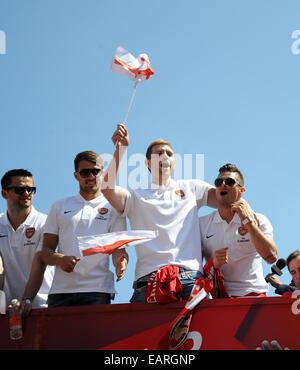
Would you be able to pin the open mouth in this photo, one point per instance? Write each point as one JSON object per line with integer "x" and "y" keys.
{"x": 25, "y": 199}
{"x": 165, "y": 165}
{"x": 90, "y": 183}
{"x": 223, "y": 192}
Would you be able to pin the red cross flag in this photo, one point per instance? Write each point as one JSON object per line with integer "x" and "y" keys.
{"x": 137, "y": 69}
{"x": 96, "y": 248}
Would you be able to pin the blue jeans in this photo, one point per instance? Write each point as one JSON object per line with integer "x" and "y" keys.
{"x": 78, "y": 299}
{"x": 187, "y": 279}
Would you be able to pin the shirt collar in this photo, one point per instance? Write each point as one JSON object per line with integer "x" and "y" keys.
{"x": 218, "y": 219}
{"x": 153, "y": 186}
{"x": 28, "y": 221}
{"x": 79, "y": 198}
{"x": 5, "y": 221}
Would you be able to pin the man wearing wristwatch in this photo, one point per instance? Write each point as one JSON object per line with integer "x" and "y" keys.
{"x": 21, "y": 230}
{"x": 237, "y": 238}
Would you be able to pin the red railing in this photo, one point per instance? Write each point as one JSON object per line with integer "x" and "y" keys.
{"x": 240, "y": 323}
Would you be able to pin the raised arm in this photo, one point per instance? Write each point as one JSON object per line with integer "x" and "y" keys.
{"x": 211, "y": 198}
{"x": 264, "y": 245}
{"x": 116, "y": 195}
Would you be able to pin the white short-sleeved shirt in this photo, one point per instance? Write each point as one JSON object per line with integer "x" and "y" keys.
{"x": 18, "y": 248}
{"x": 72, "y": 217}
{"x": 173, "y": 212}
{"x": 243, "y": 274}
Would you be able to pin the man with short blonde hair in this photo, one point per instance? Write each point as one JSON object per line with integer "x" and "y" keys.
{"x": 168, "y": 206}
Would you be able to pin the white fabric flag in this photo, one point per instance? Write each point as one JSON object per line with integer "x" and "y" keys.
{"x": 96, "y": 248}
{"x": 137, "y": 69}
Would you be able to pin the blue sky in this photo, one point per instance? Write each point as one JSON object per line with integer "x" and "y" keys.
{"x": 226, "y": 85}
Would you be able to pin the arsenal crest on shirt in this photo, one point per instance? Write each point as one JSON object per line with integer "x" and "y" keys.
{"x": 180, "y": 193}
{"x": 243, "y": 230}
{"x": 102, "y": 211}
{"x": 30, "y": 232}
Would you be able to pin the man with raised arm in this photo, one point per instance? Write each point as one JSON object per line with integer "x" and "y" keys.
{"x": 168, "y": 206}
{"x": 237, "y": 239}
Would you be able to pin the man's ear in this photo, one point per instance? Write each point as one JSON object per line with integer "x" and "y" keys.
{"x": 76, "y": 176}
{"x": 242, "y": 190}
{"x": 148, "y": 164}
{"x": 4, "y": 194}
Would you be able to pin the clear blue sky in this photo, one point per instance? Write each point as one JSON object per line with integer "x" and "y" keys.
{"x": 226, "y": 85}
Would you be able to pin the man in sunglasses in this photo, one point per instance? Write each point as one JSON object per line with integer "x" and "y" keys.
{"x": 236, "y": 238}
{"x": 87, "y": 213}
{"x": 168, "y": 206}
{"x": 21, "y": 231}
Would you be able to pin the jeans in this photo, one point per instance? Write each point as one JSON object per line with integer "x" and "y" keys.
{"x": 187, "y": 279}
{"x": 78, "y": 299}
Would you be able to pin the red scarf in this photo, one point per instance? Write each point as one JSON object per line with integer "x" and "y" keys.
{"x": 178, "y": 331}
{"x": 162, "y": 285}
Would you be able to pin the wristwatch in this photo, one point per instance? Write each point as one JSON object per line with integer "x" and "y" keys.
{"x": 27, "y": 300}
{"x": 248, "y": 219}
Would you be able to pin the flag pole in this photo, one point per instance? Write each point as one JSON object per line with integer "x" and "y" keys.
{"x": 131, "y": 101}
{"x": 129, "y": 106}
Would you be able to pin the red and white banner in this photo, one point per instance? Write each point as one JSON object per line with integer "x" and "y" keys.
{"x": 95, "y": 248}
{"x": 179, "y": 328}
{"x": 137, "y": 69}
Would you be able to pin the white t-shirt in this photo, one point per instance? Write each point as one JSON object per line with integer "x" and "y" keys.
{"x": 18, "y": 248}
{"x": 173, "y": 212}
{"x": 243, "y": 274}
{"x": 72, "y": 217}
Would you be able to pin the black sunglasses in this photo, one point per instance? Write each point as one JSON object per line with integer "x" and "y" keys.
{"x": 21, "y": 189}
{"x": 85, "y": 172}
{"x": 229, "y": 181}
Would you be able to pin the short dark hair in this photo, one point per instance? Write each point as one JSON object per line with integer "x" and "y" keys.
{"x": 90, "y": 156}
{"x": 293, "y": 255}
{"x": 229, "y": 167}
{"x": 7, "y": 177}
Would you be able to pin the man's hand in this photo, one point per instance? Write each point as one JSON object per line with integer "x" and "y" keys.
{"x": 121, "y": 136}
{"x": 68, "y": 263}
{"x": 220, "y": 257}
{"x": 273, "y": 280}
{"x": 242, "y": 208}
{"x": 22, "y": 308}
{"x": 273, "y": 345}
{"x": 121, "y": 267}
